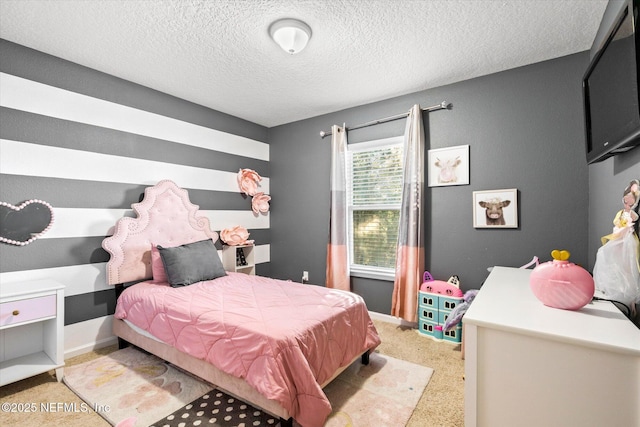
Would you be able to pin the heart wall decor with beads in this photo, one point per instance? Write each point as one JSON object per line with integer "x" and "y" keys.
{"x": 21, "y": 225}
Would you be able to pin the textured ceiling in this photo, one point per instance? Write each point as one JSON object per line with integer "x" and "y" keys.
{"x": 218, "y": 53}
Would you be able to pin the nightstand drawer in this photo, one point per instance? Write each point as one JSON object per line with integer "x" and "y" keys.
{"x": 17, "y": 312}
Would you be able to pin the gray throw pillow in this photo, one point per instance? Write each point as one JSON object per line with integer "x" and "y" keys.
{"x": 191, "y": 263}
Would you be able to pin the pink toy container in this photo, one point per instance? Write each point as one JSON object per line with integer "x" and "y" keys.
{"x": 562, "y": 284}
{"x": 439, "y": 286}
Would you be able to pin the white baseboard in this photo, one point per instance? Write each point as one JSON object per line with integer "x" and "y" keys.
{"x": 392, "y": 319}
{"x": 90, "y": 347}
{"x": 83, "y": 337}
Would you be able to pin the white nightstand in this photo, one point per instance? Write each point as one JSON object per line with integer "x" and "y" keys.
{"x": 31, "y": 329}
{"x": 232, "y": 257}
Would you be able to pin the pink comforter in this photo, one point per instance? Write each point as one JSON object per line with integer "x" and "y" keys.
{"x": 283, "y": 338}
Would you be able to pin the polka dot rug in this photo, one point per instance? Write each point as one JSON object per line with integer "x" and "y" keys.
{"x": 217, "y": 409}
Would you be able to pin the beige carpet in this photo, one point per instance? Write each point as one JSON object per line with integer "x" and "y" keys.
{"x": 441, "y": 404}
{"x": 384, "y": 392}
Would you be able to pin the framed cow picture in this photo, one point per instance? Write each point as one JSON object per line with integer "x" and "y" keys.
{"x": 448, "y": 166}
{"x": 495, "y": 208}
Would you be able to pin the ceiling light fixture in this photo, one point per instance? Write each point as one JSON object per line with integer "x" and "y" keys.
{"x": 291, "y": 34}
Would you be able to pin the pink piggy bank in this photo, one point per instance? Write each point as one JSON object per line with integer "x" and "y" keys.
{"x": 562, "y": 284}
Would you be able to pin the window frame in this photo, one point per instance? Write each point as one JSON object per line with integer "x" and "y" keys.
{"x": 359, "y": 270}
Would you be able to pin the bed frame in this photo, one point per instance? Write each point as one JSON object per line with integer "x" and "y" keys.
{"x": 166, "y": 217}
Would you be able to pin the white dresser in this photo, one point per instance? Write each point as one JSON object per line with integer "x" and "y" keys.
{"x": 531, "y": 365}
{"x": 31, "y": 329}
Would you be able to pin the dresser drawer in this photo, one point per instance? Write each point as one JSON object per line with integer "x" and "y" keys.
{"x": 428, "y": 300}
{"x": 428, "y": 314}
{"x": 26, "y": 310}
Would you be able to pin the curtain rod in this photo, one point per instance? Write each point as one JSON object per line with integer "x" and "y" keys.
{"x": 442, "y": 106}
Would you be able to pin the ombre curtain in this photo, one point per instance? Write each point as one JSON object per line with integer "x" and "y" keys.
{"x": 337, "y": 259}
{"x": 410, "y": 249}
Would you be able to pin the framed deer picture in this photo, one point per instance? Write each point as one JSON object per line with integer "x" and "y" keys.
{"x": 495, "y": 208}
{"x": 448, "y": 166}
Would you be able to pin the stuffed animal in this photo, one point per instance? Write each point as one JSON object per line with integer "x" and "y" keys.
{"x": 458, "y": 312}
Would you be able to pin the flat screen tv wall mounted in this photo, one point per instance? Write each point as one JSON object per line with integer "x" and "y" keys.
{"x": 610, "y": 88}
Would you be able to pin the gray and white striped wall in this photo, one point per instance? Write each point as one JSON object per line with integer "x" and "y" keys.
{"x": 89, "y": 143}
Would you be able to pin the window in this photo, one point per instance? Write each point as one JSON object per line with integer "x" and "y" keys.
{"x": 374, "y": 196}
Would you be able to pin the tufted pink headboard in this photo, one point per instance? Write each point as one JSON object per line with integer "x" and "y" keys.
{"x": 165, "y": 217}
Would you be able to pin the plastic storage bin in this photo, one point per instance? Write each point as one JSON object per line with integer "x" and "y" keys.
{"x": 433, "y": 310}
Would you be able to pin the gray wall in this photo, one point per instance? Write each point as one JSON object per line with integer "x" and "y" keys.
{"x": 525, "y": 131}
{"x": 71, "y": 251}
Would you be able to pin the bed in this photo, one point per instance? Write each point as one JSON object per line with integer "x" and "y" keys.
{"x": 271, "y": 343}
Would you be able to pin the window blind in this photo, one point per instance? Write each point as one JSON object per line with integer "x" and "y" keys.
{"x": 374, "y": 195}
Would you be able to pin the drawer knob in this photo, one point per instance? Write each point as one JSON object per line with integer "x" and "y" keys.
{"x": 15, "y": 312}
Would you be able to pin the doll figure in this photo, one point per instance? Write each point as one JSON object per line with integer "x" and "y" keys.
{"x": 617, "y": 269}
{"x": 626, "y": 218}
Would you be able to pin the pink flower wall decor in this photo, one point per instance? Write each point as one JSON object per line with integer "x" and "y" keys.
{"x": 260, "y": 203}
{"x": 248, "y": 180}
{"x": 235, "y": 236}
